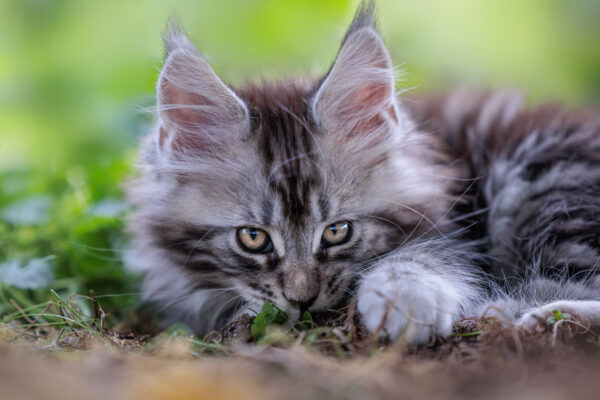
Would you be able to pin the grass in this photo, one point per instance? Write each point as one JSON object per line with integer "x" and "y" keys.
{"x": 335, "y": 333}
{"x": 267, "y": 357}
{"x": 76, "y": 321}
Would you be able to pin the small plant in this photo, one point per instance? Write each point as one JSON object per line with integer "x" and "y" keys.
{"x": 557, "y": 316}
{"x": 269, "y": 315}
{"x": 272, "y": 327}
{"x": 306, "y": 323}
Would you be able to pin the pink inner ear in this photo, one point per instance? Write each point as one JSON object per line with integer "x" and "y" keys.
{"x": 198, "y": 112}
{"x": 185, "y": 120}
{"x": 189, "y": 114}
{"x": 370, "y": 97}
{"x": 357, "y": 98}
{"x": 180, "y": 117}
{"x": 193, "y": 119}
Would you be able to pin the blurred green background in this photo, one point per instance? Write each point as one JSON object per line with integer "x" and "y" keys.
{"x": 76, "y": 75}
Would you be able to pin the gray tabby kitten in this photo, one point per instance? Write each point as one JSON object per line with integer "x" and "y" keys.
{"x": 306, "y": 193}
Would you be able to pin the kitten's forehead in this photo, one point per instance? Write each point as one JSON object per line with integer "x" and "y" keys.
{"x": 287, "y": 147}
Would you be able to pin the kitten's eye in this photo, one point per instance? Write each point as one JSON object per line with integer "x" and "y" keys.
{"x": 336, "y": 234}
{"x": 253, "y": 240}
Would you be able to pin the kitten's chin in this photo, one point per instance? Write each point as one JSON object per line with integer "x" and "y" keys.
{"x": 293, "y": 314}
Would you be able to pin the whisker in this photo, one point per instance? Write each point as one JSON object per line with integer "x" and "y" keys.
{"x": 235, "y": 298}
{"x": 188, "y": 295}
{"x": 386, "y": 220}
{"x": 423, "y": 216}
{"x": 459, "y": 198}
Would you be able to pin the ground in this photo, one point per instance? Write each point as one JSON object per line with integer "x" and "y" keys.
{"x": 324, "y": 357}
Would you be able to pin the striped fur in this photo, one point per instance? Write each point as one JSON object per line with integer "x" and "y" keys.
{"x": 455, "y": 202}
{"x": 535, "y": 186}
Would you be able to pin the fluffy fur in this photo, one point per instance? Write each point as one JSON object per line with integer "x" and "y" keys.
{"x": 455, "y": 202}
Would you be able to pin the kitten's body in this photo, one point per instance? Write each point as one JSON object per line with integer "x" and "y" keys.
{"x": 454, "y": 203}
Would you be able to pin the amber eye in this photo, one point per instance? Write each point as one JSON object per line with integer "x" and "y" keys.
{"x": 336, "y": 234}
{"x": 253, "y": 240}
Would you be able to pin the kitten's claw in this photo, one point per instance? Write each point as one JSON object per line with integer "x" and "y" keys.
{"x": 405, "y": 306}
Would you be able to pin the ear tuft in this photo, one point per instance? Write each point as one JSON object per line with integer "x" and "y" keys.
{"x": 364, "y": 17}
{"x": 356, "y": 98}
{"x": 175, "y": 37}
{"x": 198, "y": 112}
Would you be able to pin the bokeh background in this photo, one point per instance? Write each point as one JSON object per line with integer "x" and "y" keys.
{"x": 76, "y": 78}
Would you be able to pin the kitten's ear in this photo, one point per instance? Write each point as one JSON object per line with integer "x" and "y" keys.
{"x": 198, "y": 112}
{"x": 356, "y": 99}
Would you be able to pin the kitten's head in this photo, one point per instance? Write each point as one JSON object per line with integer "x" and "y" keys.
{"x": 282, "y": 192}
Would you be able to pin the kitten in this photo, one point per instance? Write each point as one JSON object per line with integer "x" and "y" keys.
{"x": 306, "y": 193}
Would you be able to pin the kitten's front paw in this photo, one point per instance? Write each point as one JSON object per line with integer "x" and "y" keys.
{"x": 584, "y": 312}
{"x": 404, "y": 305}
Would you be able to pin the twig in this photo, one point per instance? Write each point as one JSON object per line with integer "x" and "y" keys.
{"x": 21, "y": 311}
{"x": 518, "y": 344}
{"x": 342, "y": 338}
{"x": 567, "y": 321}
{"x": 350, "y": 317}
{"x": 93, "y": 297}
{"x": 300, "y": 338}
{"x": 62, "y": 330}
{"x": 102, "y": 318}
{"x": 484, "y": 315}
{"x": 35, "y": 321}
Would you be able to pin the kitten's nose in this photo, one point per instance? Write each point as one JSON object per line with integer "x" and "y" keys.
{"x": 302, "y": 305}
{"x": 301, "y": 285}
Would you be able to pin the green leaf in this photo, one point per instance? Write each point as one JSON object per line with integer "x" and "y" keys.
{"x": 467, "y": 334}
{"x": 557, "y": 315}
{"x": 307, "y": 317}
{"x": 269, "y": 315}
{"x": 306, "y": 323}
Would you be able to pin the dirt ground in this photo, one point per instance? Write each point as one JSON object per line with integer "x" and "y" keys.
{"x": 482, "y": 360}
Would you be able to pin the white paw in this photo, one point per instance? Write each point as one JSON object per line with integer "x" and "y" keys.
{"x": 586, "y": 312}
{"x": 534, "y": 321}
{"x": 406, "y": 303}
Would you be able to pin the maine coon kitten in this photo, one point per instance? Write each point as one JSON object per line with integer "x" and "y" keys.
{"x": 305, "y": 193}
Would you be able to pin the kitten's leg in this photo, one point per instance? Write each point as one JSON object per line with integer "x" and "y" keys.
{"x": 417, "y": 293}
